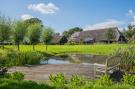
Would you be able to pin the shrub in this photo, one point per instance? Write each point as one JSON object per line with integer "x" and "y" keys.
{"x": 21, "y": 58}
{"x": 104, "y": 80}
{"x": 126, "y": 56}
{"x": 77, "y": 80}
{"x": 15, "y": 76}
{"x": 129, "y": 79}
{"x": 58, "y": 80}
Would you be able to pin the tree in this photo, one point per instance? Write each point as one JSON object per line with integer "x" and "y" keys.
{"x": 47, "y": 35}
{"x": 19, "y": 33}
{"x": 71, "y": 31}
{"x": 34, "y": 32}
{"x": 110, "y": 34}
{"x": 5, "y": 30}
{"x": 57, "y": 34}
{"x": 33, "y": 21}
{"x": 130, "y": 31}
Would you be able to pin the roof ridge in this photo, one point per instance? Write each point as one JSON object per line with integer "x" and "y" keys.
{"x": 101, "y": 29}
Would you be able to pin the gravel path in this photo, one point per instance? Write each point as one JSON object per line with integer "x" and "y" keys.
{"x": 42, "y": 72}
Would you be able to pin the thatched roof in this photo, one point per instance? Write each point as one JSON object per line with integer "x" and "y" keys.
{"x": 56, "y": 39}
{"x": 96, "y": 35}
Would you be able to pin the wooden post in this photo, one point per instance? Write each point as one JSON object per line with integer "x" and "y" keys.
{"x": 106, "y": 65}
{"x": 94, "y": 71}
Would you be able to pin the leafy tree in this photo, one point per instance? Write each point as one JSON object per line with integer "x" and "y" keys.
{"x": 47, "y": 35}
{"x": 5, "y": 30}
{"x": 110, "y": 34}
{"x": 33, "y": 21}
{"x": 34, "y": 32}
{"x": 71, "y": 31}
{"x": 57, "y": 34}
{"x": 19, "y": 33}
{"x": 130, "y": 31}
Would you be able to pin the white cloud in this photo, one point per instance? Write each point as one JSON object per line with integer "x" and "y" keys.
{"x": 49, "y": 8}
{"x": 26, "y": 16}
{"x": 106, "y": 24}
{"x": 130, "y": 12}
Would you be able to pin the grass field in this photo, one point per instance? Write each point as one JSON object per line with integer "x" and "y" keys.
{"x": 99, "y": 49}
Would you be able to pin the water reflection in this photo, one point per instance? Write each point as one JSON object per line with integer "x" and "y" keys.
{"x": 75, "y": 58}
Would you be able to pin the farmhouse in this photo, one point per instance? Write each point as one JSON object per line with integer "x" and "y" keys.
{"x": 59, "y": 40}
{"x": 98, "y": 35}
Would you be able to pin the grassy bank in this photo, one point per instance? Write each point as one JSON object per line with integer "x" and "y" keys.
{"x": 11, "y": 57}
{"x": 100, "y": 49}
{"x": 15, "y": 81}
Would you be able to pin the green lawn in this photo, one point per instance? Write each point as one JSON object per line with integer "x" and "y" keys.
{"x": 103, "y": 49}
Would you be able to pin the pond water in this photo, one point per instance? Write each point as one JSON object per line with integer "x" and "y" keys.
{"x": 74, "y": 59}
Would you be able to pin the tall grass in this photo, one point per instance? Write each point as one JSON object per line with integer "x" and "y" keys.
{"x": 14, "y": 58}
{"x": 127, "y": 57}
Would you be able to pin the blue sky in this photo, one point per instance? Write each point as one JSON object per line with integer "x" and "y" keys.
{"x": 64, "y": 14}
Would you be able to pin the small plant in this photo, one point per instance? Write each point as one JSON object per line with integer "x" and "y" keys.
{"x": 129, "y": 79}
{"x": 104, "y": 80}
{"x": 57, "y": 79}
{"x": 77, "y": 80}
{"x": 15, "y": 76}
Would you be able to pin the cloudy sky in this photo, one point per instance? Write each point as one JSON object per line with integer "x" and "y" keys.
{"x": 64, "y": 14}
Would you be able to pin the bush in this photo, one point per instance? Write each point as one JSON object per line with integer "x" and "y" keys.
{"x": 21, "y": 58}
{"x": 129, "y": 79}
{"x": 77, "y": 80}
{"x": 126, "y": 56}
{"x": 15, "y": 76}
{"x": 104, "y": 80}
{"x": 58, "y": 80}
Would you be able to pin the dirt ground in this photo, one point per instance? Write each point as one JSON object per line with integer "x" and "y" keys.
{"x": 42, "y": 72}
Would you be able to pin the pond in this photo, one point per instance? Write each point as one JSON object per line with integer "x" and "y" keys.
{"x": 74, "y": 59}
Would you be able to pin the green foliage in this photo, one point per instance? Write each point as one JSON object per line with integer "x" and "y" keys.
{"x": 126, "y": 56}
{"x": 13, "y": 83}
{"x": 33, "y": 21}
{"x": 20, "y": 58}
{"x": 110, "y": 34}
{"x": 34, "y": 32}
{"x": 5, "y": 29}
{"x": 15, "y": 76}
{"x": 129, "y": 79}
{"x": 57, "y": 79}
{"x": 19, "y": 32}
{"x": 130, "y": 31}
{"x": 47, "y": 34}
{"x": 77, "y": 80}
{"x": 104, "y": 80}
{"x": 71, "y": 31}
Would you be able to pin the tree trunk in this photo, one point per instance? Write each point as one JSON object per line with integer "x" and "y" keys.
{"x": 46, "y": 47}
{"x": 18, "y": 46}
{"x": 3, "y": 45}
{"x": 33, "y": 47}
